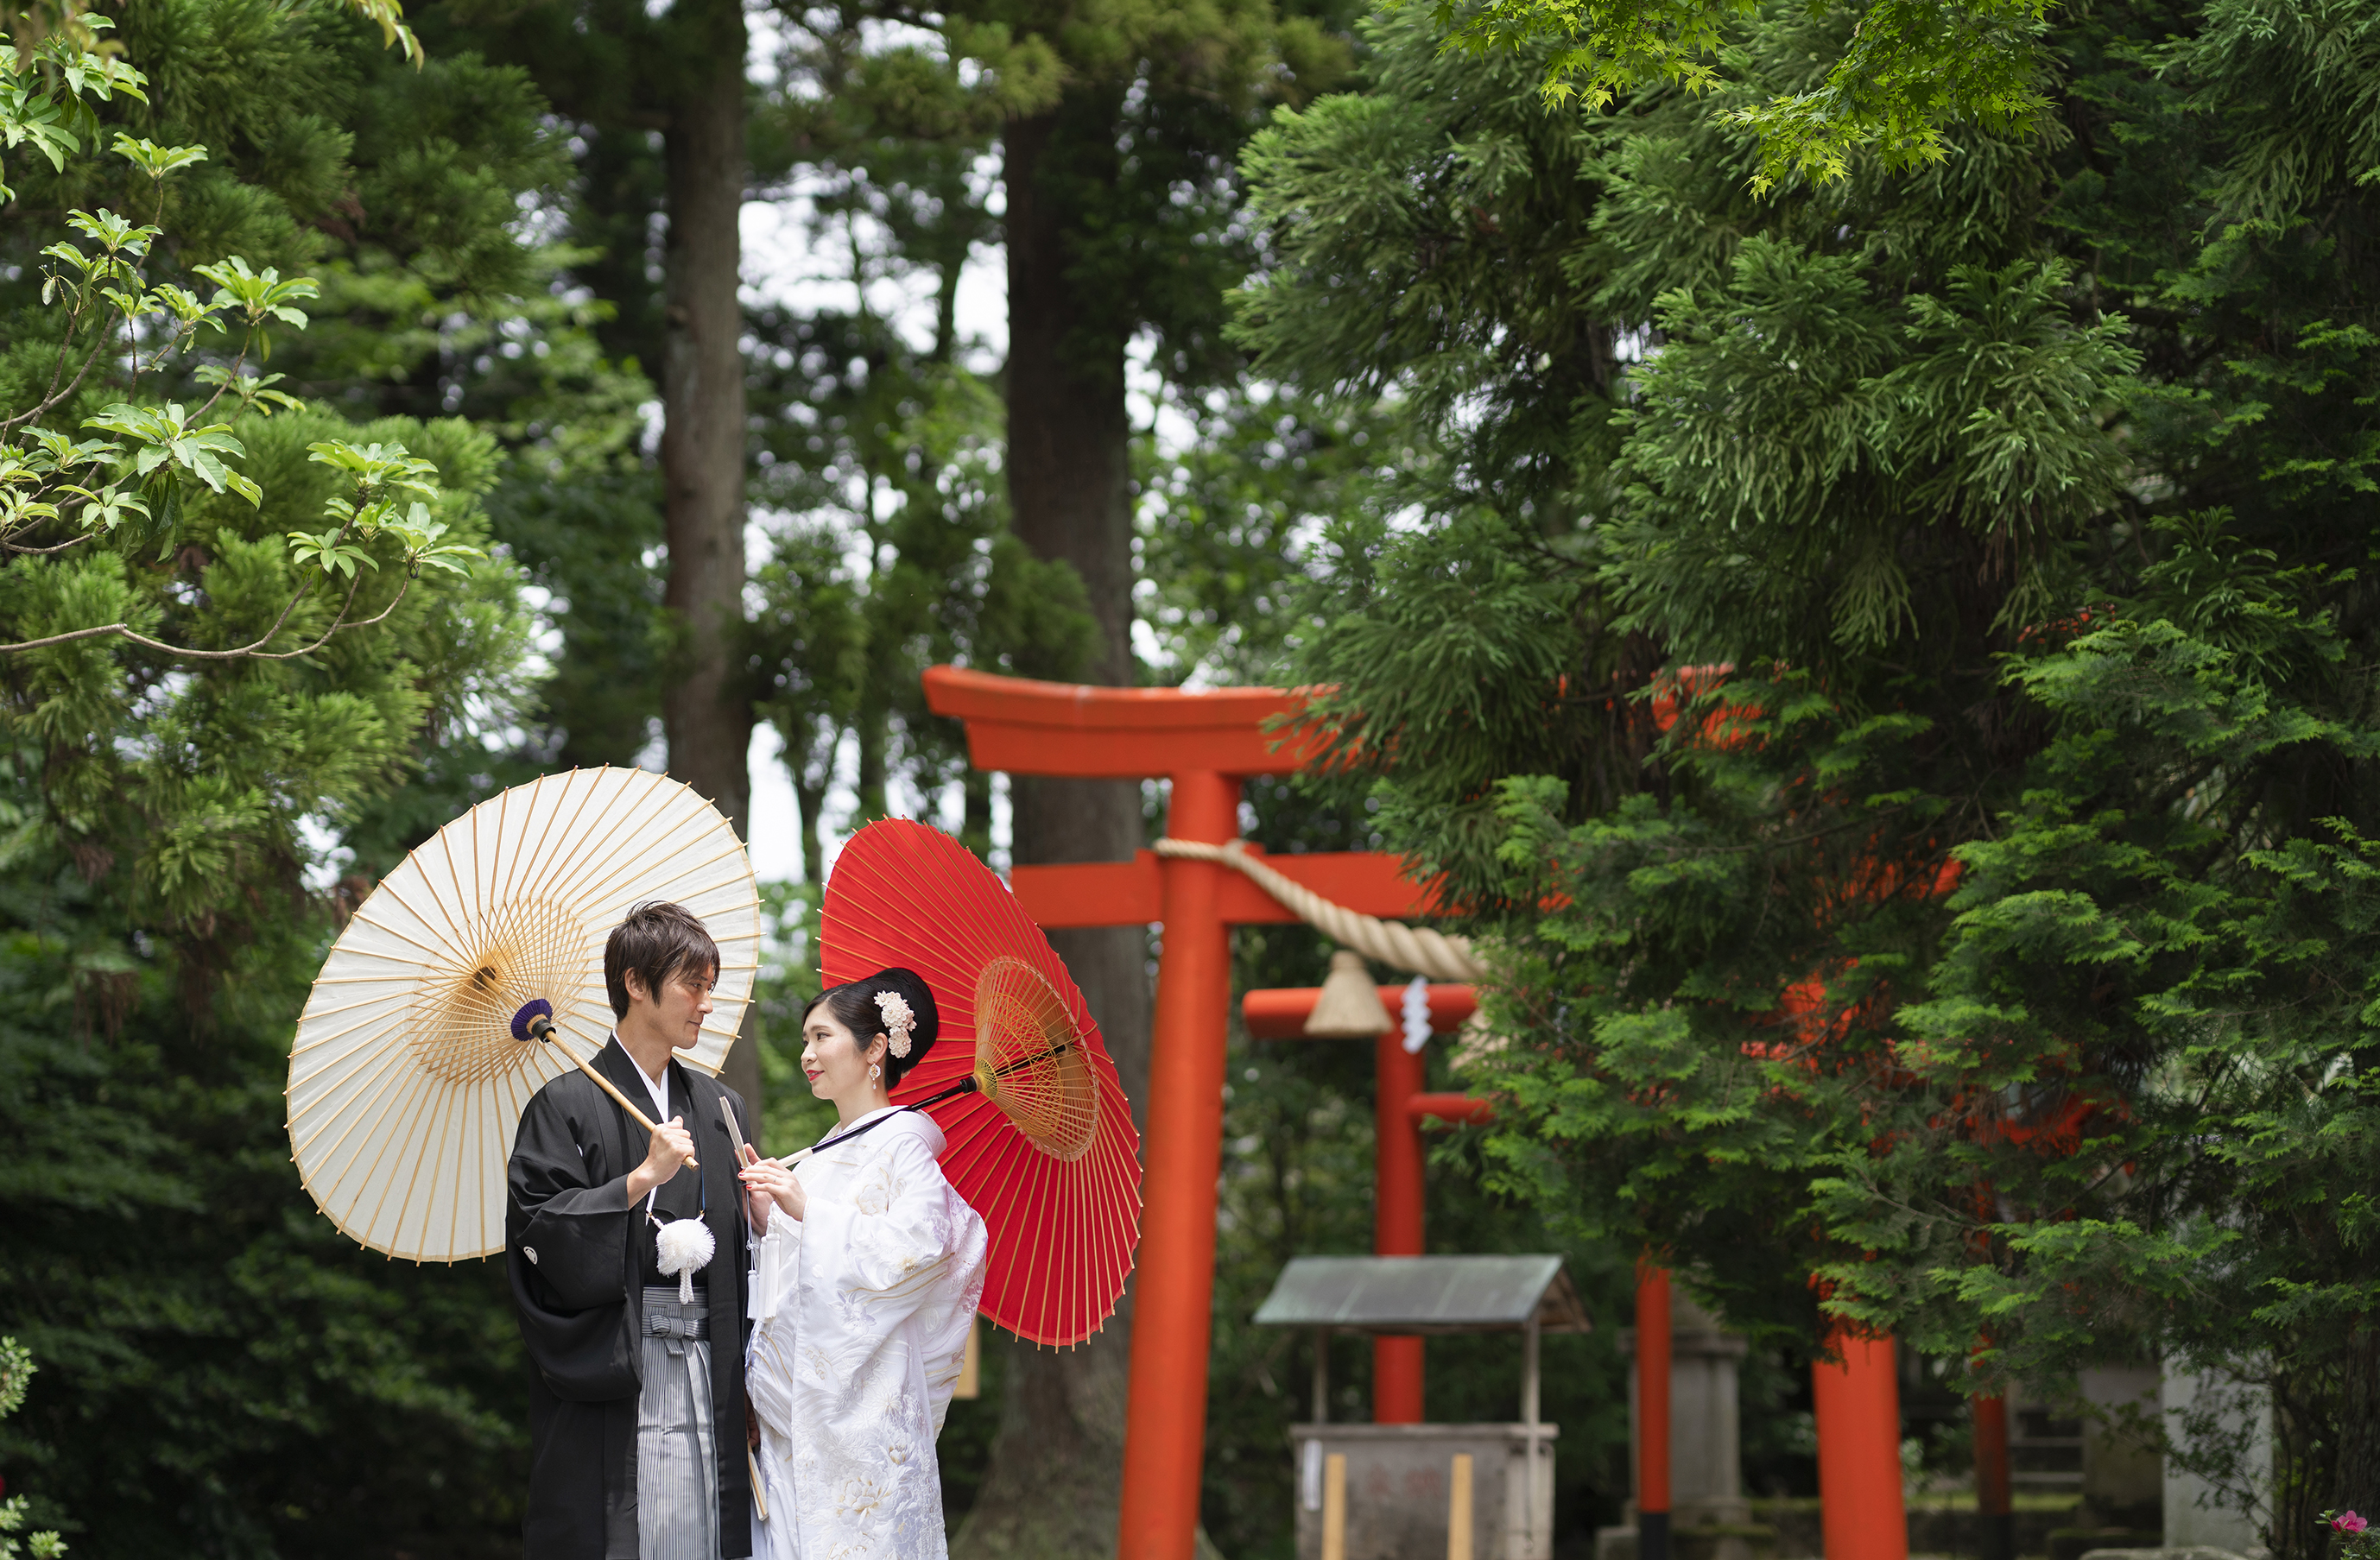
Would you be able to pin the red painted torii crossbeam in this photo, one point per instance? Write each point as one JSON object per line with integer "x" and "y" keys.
{"x": 1207, "y": 743}
{"x": 1111, "y": 893}
{"x": 1078, "y": 731}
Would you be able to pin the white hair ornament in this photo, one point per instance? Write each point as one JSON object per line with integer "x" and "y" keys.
{"x": 898, "y": 1022}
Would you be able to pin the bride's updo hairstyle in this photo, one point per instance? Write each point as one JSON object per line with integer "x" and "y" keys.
{"x": 857, "y": 1008}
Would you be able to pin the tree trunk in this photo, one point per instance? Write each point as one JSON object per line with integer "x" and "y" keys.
{"x": 2357, "y": 1483}
{"x": 975, "y": 815}
{"x": 705, "y": 707}
{"x": 1054, "y": 1481}
{"x": 811, "y": 800}
{"x": 873, "y": 729}
{"x": 1069, "y": 431}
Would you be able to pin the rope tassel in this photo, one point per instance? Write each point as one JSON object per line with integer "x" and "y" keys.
{"x": 686, "y": 1248}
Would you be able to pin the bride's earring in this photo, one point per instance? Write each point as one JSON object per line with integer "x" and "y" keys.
{"x": 874, "y": 1072}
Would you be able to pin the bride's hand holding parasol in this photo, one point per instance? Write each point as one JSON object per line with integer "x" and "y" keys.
{"x": 773, "y": 1186}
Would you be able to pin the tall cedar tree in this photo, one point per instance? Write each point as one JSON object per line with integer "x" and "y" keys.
{"x": 879, "y": 452}
{"x": 660, "y": 101}
{"x": 1119, "y": 195}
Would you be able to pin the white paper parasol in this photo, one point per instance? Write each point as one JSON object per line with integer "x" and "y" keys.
{"x": 405, "y": 1082}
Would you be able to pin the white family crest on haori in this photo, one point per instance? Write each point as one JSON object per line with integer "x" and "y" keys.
{"x": 405, "y": 1080}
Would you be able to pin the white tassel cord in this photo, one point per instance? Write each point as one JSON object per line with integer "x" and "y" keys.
{"x": 686, "y": 1248}
{"x": 1416, "y": 1015}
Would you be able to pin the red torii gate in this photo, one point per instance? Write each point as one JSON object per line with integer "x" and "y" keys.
{"x": 1207, "y": 743}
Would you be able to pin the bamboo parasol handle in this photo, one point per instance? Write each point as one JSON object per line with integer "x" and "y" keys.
{"x": 531, "y": 1024}
{"x": 638, "y": 1117}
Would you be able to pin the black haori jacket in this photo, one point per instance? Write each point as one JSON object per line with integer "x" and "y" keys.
{"x": 579, "y": 1257}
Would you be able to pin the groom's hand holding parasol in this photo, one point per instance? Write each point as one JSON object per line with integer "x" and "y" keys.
{"x": 671, "y": 1147}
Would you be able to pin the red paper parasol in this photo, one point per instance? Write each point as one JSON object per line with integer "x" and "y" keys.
{"x": 1045, "y": 1150}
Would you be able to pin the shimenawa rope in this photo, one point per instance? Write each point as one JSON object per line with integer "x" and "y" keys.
{"x": 1417, "y": 949}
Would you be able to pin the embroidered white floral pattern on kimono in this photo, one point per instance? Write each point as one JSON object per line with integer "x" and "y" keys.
{"x": 860, "y": 1314}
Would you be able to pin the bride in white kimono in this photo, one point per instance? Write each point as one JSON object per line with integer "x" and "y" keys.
{"x": 867, "y": 1271}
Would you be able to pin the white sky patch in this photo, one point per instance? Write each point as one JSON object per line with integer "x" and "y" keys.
{"x": 776, "y": 842}
{"x": 776, "y": 833}
{"x": 545, "y": 635}
{"x": 327, "y": 860}
{"x": 790, "y": 262}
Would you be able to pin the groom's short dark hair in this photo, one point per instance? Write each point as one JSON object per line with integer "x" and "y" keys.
{"x": 659, "y": 941}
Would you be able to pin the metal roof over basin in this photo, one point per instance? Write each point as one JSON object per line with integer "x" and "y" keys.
{"x": 1460, "y": 1294}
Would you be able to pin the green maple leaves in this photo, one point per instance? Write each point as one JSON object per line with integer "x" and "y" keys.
{"x": 383, "y": 476}
{"x": 112, "y": 308}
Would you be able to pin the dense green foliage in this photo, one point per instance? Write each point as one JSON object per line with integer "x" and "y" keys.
{"x": 1892, "y": 88}
{"x": 16, "y": 1375}
{"x": 1989, "y": 934}
{"x": 224, "y": 1373}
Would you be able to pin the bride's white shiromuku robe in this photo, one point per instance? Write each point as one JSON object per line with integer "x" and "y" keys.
{"x": 860, "y": 1313}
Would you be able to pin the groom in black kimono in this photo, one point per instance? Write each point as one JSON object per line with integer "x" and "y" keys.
{"x": 637, "y": 1418}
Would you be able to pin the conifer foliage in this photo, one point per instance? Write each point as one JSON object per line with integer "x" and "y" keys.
{"x": 1905, "y": 723}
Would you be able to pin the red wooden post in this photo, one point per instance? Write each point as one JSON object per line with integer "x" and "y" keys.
{"x": 1165, "y": 1413}
{"x": 1397, "y": 1217}
{"x": 1858, "y": 1405}
{"x": 1653, "y": 1412}
{"x": 1992, "y": 1506}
